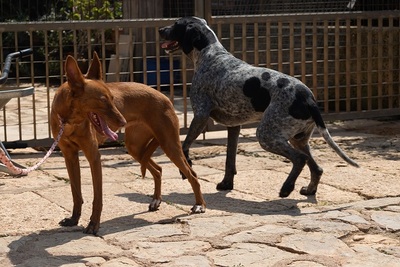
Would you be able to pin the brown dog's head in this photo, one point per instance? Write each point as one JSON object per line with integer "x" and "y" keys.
{"x": 92, "y": 97}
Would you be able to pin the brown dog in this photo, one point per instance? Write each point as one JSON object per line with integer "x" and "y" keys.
{"x": 92, "y": 110}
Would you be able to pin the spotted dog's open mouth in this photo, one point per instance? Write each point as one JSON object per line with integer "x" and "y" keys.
{"x": 170, "y": 46}
{"x": 101, "y": 126}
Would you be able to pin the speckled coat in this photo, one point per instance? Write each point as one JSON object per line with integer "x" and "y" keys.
{"x": 233, "y": 93}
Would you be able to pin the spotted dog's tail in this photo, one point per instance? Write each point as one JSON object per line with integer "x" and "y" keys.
{"x": 316, "y": 115}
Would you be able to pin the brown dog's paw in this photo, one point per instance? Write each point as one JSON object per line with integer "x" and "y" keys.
{"x": 307, "y": 192}
{"x": 92, "y": 228}
{"x": 198, "y": 209}
{"x": 69, "y": 222}
{"x": 155, "y": 204}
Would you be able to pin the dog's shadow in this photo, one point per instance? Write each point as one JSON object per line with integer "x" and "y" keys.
{"x": 223, "y": 201}
{"x": 44, "y": 248}
{"x": 42, "y": 243}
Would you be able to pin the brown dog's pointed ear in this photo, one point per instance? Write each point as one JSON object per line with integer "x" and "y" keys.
{"x": 74, "y": 75}
{"x": 95, "y": 71}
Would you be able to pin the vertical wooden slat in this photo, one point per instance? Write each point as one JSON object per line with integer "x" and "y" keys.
{"x": 219, "y": 31}
{"x": 130, "y": 54}
{"x": 103, "y": 52}
{"x": 280, "y": 46}
{"x": 32, "y": 82}
{"x": 75, "y": 38}
{"x": 89, "y": 45}
{"x": 337, "y": 64}
{"x": 117, "y": 55}
{"x": 4, "y": 108}
{"x": 46, "y": 58}
{"x": 369, "y": 65}
{"x": 232, "y": 38}
{"x": 380, "y": 60}
{"x": 359, "y": 74}
{"x": 268, "y": 45}
{"x": 244, "y": 41}
{"x": 348, "y": 65}
{"x": 158, "y": 68}
{"x": 303, "y": 51}
{"x": 291, "y": 48}
{"x": 61, "y": 56}
{"x": 315, "y": 59}
{"x": 390, "y": 63}
{"x": 184, "y": 87}
{"x": 144, "y": 55}
{"x": 18, "y": 83}
{"x": 171, "y": 77}
{"x": 326, "y": 66}
{"x": 256, "y": 45}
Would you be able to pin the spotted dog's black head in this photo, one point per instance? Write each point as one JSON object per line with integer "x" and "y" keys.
{"x": 187, "y": 33}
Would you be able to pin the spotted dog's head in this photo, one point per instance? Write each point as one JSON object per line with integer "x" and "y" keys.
{"x": 187, "y": 33}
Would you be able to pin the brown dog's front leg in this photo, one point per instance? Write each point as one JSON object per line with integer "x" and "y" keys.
{"x": 97, "y": 179}
{"x": 73, "y": 168}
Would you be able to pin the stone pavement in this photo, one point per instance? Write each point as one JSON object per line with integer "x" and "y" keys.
{"x": 354, "y": 220}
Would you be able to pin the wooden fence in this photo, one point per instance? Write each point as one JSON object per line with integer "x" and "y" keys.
{"x": 351, "y": 61}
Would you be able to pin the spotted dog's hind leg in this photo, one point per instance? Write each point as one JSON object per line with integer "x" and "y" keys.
{"x": 273, "y": 138}
{"x": 300, "y": 142}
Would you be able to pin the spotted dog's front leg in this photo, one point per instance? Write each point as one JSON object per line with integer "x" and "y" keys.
{"x": 230, "y": 163}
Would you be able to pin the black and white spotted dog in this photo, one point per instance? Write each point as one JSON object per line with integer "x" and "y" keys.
{"x": 234, "y": 93}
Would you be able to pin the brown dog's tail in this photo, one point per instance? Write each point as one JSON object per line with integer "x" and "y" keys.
{"x": 316, "y": 115}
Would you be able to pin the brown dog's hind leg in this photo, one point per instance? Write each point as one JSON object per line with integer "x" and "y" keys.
{"x": 141, "y": 147}
{"x": 174, "y": 152}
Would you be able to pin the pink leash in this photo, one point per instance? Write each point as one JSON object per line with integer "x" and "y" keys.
{"x": 21, "y": 171}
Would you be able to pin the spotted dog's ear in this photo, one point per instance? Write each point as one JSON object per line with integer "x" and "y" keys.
{"x": 192, "y": 36}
